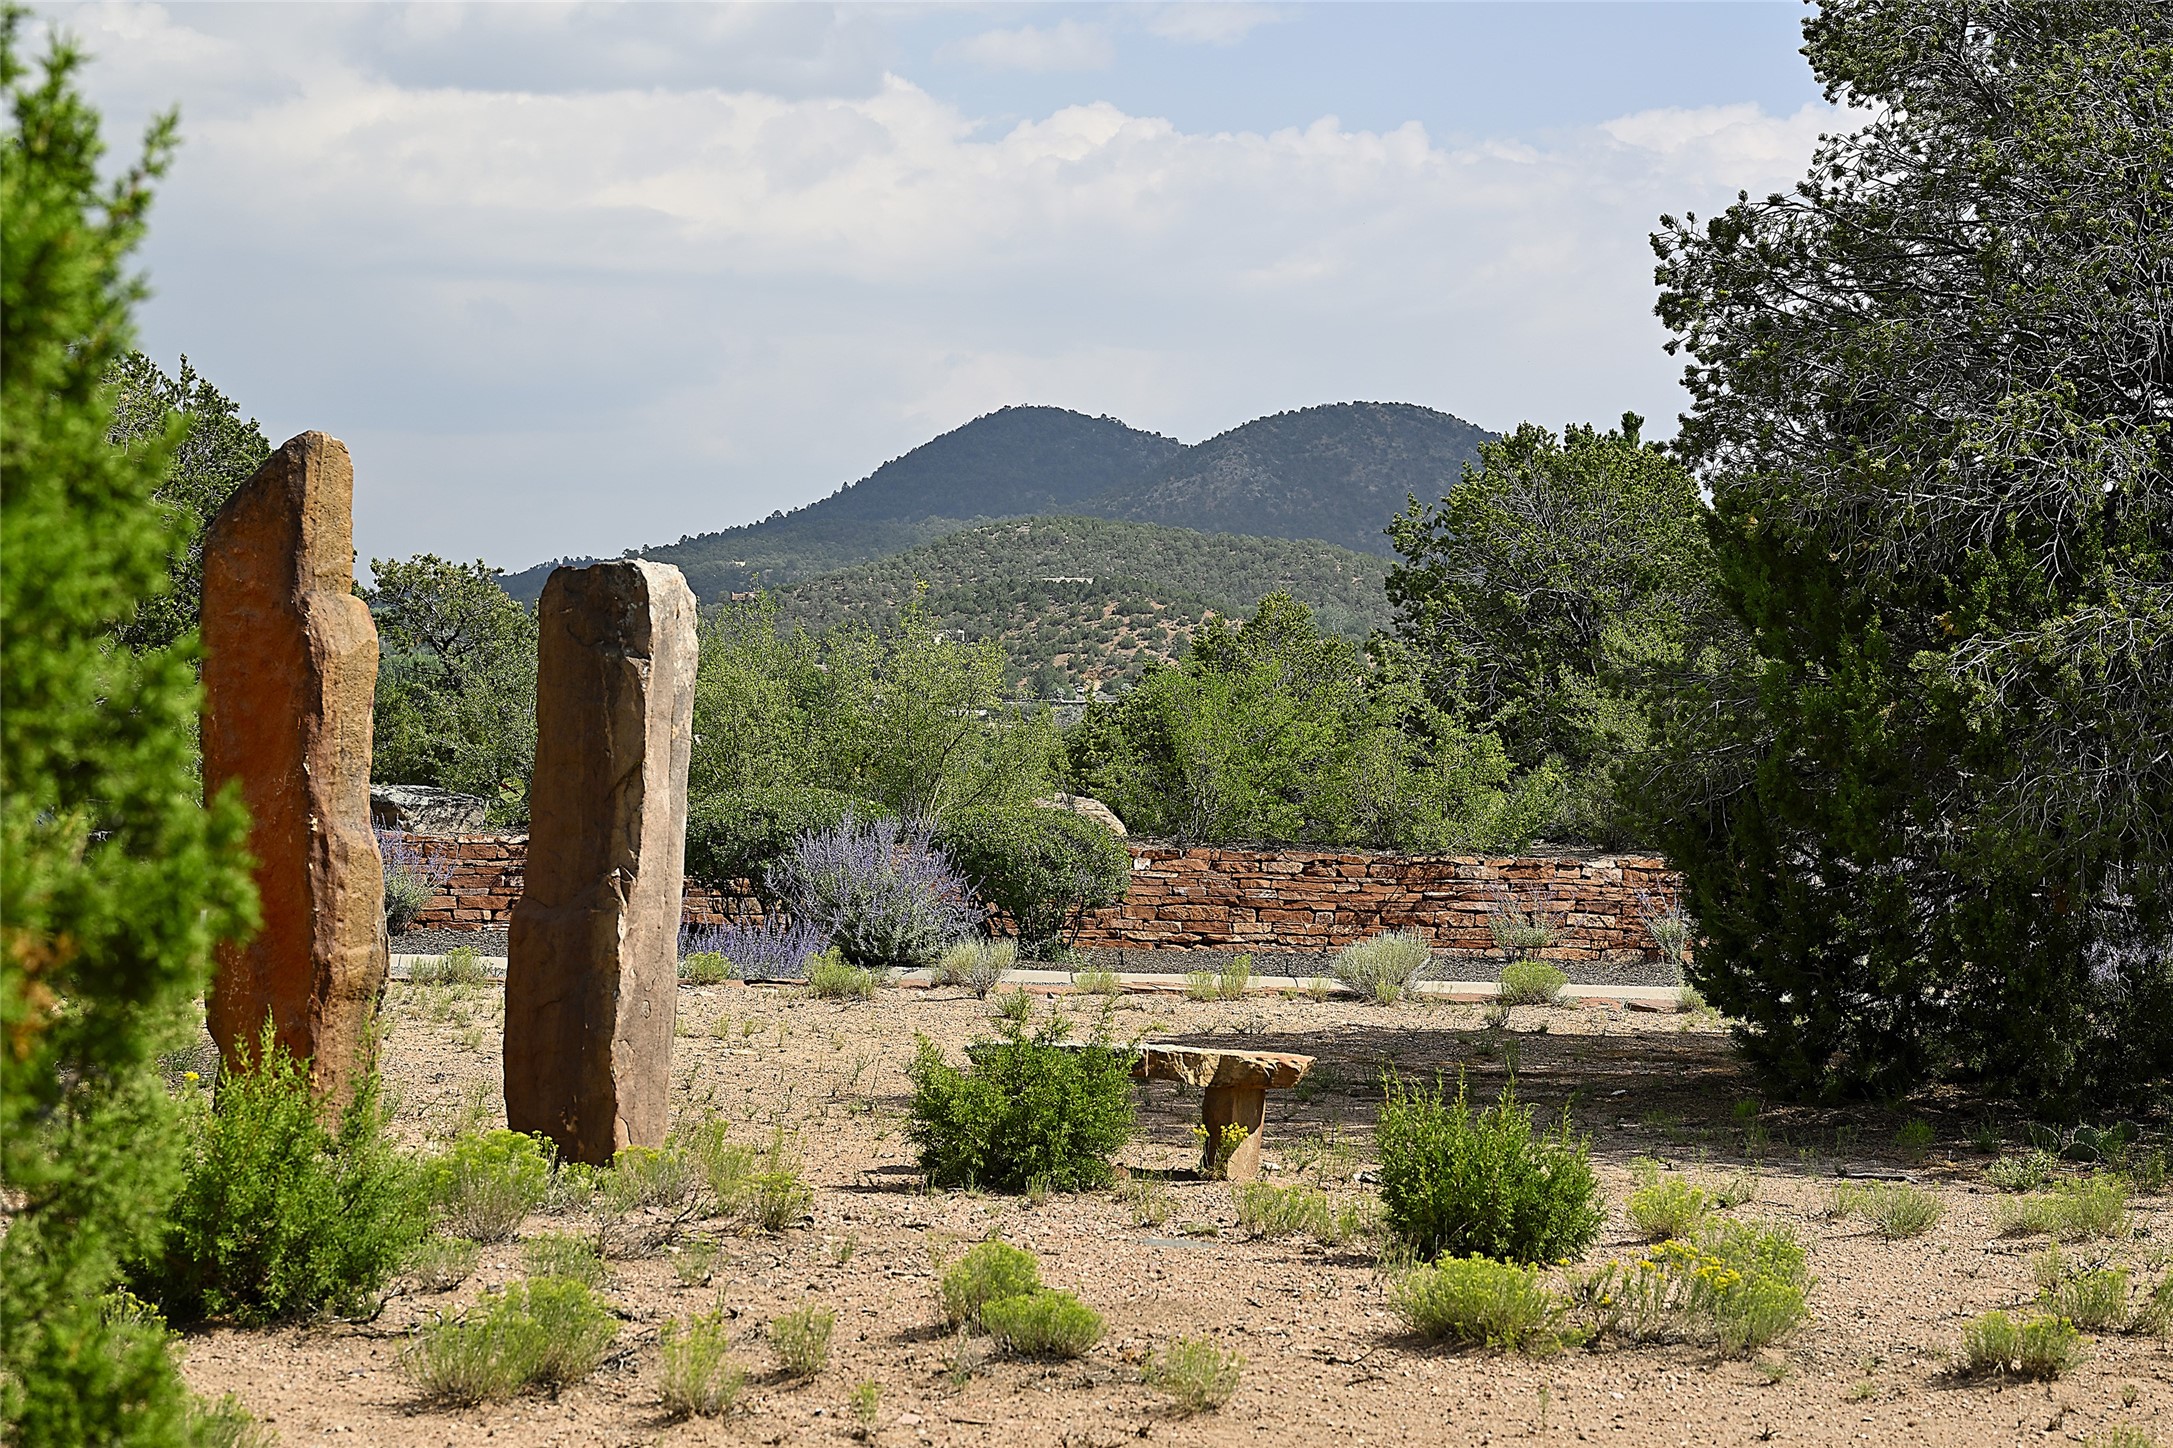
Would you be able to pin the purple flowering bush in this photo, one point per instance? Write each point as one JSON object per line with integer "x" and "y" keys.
{"x": 414, "y": 876}
{"x": 774, "y": 948}
{"x": 881, "y": 892}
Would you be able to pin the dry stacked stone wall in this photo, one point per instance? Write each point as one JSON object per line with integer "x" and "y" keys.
{"x": 1222, "y": 899}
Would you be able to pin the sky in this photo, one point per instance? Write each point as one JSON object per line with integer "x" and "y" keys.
{"x": 569, "y": 279}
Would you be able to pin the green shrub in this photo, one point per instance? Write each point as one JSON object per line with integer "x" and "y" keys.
{"x": 1531, "y": 983}
{"x": 1668, "y": 1209}
{"x": 830, "y": 978}
{"x": 1103, "y": 983}
{"x": 779, "y": 1197}
{"x": 2073, "y": 1211}
{"x": 483, "y": 1187}
{"x": 1043, "y": 868}
{"x": 1042, "y": 1324}
{"x": 1455, "y": 1182}
{"x": 2094, "y": 1301}
{"x": 1738, "y": 1285}
{"x": 2036, "y": 1347}
{"x": 1914, "y": 1139}
{"x": 1266, "y": 1210}
{"x": 802, "y": 1340}
{"x": 563, "y": 1257}
{"x": 866, "y": 1400}
{"x": 706, "y": 967}
{"x": 1478, "y": 1302}
{"x": 989, "y": 1271}
{"x": 1195, "y": 1372}
{"x": 1383, "y": 968}
{"x": 1232, "y": 980}
{"x": 1202, "y": 985}
{"x": 738, "y": 836}
{"x": 699, "y": 1376}
{"x": 439, "y": 1264}
{"x": 460, "y": 966}
{"x": 280, "y": 1218}
{"x": 1030, "y": 1108}
{"x": 2025, "y": 1173}
{"x": 648, "y": 1177}
{"x": 545, "y": 1333}
{"x": 978, "y": 965}
{"x": 1894, "y": 1210}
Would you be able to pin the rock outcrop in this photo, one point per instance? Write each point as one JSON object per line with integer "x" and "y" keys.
{"x": 421, "y": 809}
{"x": 593, "y": 950}
{"x": 290, "y": 677}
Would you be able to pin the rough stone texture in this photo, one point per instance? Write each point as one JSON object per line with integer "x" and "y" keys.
{"x": 421, "y": 809}
{"x": 290, "y": 676}
{"x": 1222, "y": 900}
{"x": 1093, "y": 809}
{"x": 593, "y": 952}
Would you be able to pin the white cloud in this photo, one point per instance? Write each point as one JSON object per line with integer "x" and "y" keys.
{"x": 1212, "y": 22}
{"x": 568, "y": 320}
{"x": 1067, "y": 45}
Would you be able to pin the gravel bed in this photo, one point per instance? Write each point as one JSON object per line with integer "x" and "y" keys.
{"x": 491, "y": 941}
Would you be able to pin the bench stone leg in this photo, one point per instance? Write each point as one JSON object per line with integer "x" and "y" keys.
{"x": 1242, "y": 1106}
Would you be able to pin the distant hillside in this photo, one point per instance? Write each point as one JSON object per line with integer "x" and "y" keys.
{"x": 1008, "y": 464}
{"x": 1080, "y": 602}
{"x": 1337, "y": 472}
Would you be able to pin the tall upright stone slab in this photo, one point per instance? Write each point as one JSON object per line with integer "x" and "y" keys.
{"x": 593, "y": 958}
{"x": 290, "y": 676}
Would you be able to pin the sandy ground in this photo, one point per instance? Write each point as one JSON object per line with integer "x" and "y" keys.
{"x": 1324, "y": 1361}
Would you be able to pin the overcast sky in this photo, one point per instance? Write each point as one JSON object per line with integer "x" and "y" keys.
{"x": 569, "y": 279}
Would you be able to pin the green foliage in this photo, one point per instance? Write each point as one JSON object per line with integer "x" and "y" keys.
{"x": 1300, "y": 1210}
{"x": 1910, "y": 776}
{"x": 1273, "y": 730}
{"x": 456, "y": 681}
{"x": 866, "y": 1399}
{"x": 2095, "y": 1301}
{"x": 1531, "y": 983}
{"x": 1195, "y": 1372}
{"x": 1479, "y": 1302}
{"x": 564, "y": 1257}
{"x": 439, "y": 1264}
{"x": 1460, "y": 1182}
{"x": 114, "y": 878}
{"x": 1738, "y": 1285}
{"x": 829, "y": 978}
{"x": 1029, "y": 1109}
{"x": 216, "y": 454}
{"x": 1383, "y": 967}
{"x": 460, "y": 966}
{"x": 1234, "y": 977}
{"x": 1535, "y": 593}
{"x": 482, "y": 1187}
{"x": 706, "y": 967}
{"x": 698, "y": 1374}
{"x": 1994, "y": 1344}
{"x": 544, "y": 1333}
{"x": 978, "y": 965}
{"x": 1894, "y": 1210}
{"x": 1666, "y": 1209}
{"x": 1043, "y": 1324}
{"x": 989, "y": 1272}
{"x": 2073, "y": 1211}
{"x": 280, "y": 1217}
{"x": 2025, "y": 1173}
{"x": 801, "y": 1339}
{"x": 1043, "y": 868}
{"x": 737, "y": 836}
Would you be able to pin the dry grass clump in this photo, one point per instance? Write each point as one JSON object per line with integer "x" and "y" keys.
{"x": 978, "y": 965}
{"x": 1197, "y": 1374}
{"x": 1894, "y": 1210}
{"x": 1385, "y": 967}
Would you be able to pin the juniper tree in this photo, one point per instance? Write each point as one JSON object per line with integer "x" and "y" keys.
{"x": 114, "y": 879}
{"x": 1925, "y": 819}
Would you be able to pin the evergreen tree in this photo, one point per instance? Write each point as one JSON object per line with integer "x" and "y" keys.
{"x": 114, "y": 879}
{"x": 1925, "y": 815}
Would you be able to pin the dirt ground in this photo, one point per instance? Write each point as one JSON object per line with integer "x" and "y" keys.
{"x": 1324, "y": 1360}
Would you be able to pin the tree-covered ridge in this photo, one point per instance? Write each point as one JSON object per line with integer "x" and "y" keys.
{"x": 1079, "y": 602}
{"x": 1336, "y": 473}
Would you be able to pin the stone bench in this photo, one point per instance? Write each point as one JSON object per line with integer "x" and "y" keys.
{"x": 1234, "y": 1087}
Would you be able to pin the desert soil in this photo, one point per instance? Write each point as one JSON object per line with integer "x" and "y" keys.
{"x": 1324, "y": 1359}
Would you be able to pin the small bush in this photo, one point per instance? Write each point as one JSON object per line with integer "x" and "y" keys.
{"x": 695, "y": 1263}
{"x": 802, "y": 1340}
{"x": 1231, "y": 981}
{"x": 978, "y": 965}
{"x": 1668, "y": 1209}
{"x": 1103, "y": 983}
{"x": 648, "y": 1177}
{"x": 414, "y": 876}
{"x": 1202, "y": 985}
{"x": 2073, "y": 1211}
{"x": 2025, "y": 1173}
{"x": 1015, "y": 1007}
{"x": 1029, "y": 1108}
{"x": 1478, "y": 1302}
{"x": 2094, "y": 1301}
{"x": 2036, "y": 1347}
{"x": 543, "y": 1333}
{"x": 989, "y": 1271}
{"x": 1195, "y": 1372}
{"x": 829, "y": 978}
{"x": 482, "y": 1187}
{"x": 1894, "y": 1210}
{"x": 1455, "y": 1182}
{"x": 778, "y": 1199}
{"x": 278, "y": 1217}
{"x": 1739, "y": 1285}
{"x": 1382, "y": 969}
{"x": 707, "y": 967}
{"x": 698, "y": 1374}
{"x": 1914, "y": 1139}
{"x": 866, "y": 1400}
{"x": 1518, "y": 926}
{"x": 1531, "y": 983}
{"x": 1042, "y": 1324}
{"x": 1045, "y": 868}
{"x": 881, "y": 892}
{"x": 460, "y": 966}
{"x": 1265, "y": 1210}
{"x": 563, "y": 1257}
{"x": 439, "y": 1264}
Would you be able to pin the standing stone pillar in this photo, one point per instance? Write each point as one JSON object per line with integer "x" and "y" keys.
{"x": 593, "y": 966}
{"x": 290, "y": 676}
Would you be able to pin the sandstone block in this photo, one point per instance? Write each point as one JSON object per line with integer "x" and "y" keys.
{"x": 290, "y": 679}
{"x": 593, "y": 949}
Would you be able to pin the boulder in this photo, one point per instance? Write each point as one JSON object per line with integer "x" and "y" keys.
{"x": 1093, "y": 809}
{"x": 593, "y": 952}
{"x": 290, "y": 678}
{"x": 422, "y": 809}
